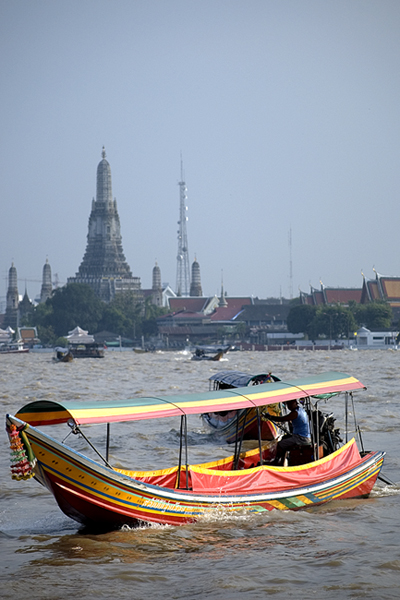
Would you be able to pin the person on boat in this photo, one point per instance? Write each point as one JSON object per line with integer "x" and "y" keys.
{"x": 300, "y": 435}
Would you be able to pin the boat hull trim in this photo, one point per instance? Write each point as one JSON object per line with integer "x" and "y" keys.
{"x": 100, "y": 497}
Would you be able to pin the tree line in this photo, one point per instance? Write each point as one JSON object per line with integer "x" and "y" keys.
{"x": 336, "y": 321}
{"x": 77, "y": 304}
{"x": 128, "y": 316}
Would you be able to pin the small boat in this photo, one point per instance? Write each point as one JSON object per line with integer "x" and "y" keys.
{"x": 13, "y": 348}
{"x": 83, "y": 345}
{"x": 209, "y": 352}
{"x": 62, "y": 355}
{"x": 86, "y": 350}
{"x": 230, "y": 425}
{"x": 102, "y": 496}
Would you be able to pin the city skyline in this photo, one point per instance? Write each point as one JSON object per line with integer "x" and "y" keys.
{"x": 285, "y": 115}
{"x": 195, "y": 283}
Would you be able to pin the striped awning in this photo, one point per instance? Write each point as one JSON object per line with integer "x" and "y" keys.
{"x": 45, "y": 412}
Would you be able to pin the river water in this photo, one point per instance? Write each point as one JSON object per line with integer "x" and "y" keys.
{"x": 346, "y": 549}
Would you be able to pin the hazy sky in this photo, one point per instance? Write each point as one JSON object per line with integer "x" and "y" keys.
{"x": 286, "y": 112}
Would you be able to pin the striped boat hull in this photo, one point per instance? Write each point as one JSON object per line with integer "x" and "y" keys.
{"x": 98, "y": 496}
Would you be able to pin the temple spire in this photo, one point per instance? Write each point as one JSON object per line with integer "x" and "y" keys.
{"x": 104, "y": 266}
{"x": 222, "y": 300}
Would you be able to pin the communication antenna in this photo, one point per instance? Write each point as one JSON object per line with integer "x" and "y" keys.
{"x": 290, "y": 266}
{"x": 182, "y": 259}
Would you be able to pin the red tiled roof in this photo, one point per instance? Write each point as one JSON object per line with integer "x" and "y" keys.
{"x": 188, "y": 314}
{"x": 189, "y": 304}
{"x": 391, "y": 287}
{"x": 342, "y": 295}
{"x": 373, "y": 290}
{"x": 224, "y": 313}
{"x": 233, "y": 308}
{"x": 318, "y": 297}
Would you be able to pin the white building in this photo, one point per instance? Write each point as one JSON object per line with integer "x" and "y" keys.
{"x": 375, "y": 339}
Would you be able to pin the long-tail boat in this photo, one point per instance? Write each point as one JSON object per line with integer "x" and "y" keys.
{"x": 210, "y": 352}
{"x": 100, "y": 495}
{"x": 62, "y": 354}
{"x": 229, "y": 424}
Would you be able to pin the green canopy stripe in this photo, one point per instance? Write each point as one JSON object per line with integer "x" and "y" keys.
{"x": 44, "y": 412}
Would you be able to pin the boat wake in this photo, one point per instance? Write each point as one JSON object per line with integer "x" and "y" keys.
{"x": 383, "y": 490}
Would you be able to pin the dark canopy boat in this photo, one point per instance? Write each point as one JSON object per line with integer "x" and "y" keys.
{"x": 231, "y": 424}
{"x": 62, "y": 354}
{"x": 209, "y": 352}
{"x": 100, "y": 495}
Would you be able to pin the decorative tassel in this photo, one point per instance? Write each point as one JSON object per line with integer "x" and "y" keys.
{"x": 21, "y": 467}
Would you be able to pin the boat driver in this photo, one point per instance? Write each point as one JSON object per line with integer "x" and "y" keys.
{"x": 300, "y": 435}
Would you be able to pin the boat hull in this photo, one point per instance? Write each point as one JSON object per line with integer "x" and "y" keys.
{"x": 100, "y": 497}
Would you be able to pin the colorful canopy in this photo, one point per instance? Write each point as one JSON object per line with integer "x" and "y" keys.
{"x": 45, "y": 412}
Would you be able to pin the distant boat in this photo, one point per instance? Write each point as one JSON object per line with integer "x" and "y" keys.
{"x": 232, "y": 424}
{"x": 62, "y": 354}
{"x": 13, "y": 348}
{"x": 87, "y": 350}
{"x": 83, "y": 345}
{"x": 210, "y": 352}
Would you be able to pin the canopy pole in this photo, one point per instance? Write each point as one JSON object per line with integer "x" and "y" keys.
{"x": 186, "y": 454}
{"x": 356, "y": 427}
{"x": 312, "y": 417}
{"x": 76, "y": 430}
{"x": 346, "y": 408}
{"x": 237, "y": 432}
{"x": 180, "y": 453}
{"x": 241, "y": 440}
{"x": 259, "y": 434}
{"x": 108, "y": 441}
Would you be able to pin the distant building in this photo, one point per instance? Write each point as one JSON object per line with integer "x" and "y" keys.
{"x": 47, "y": 288}
{"x": 11, "y": 316}
{"x": 195, "y": 286}
{"x": 28, "y": 336}
{"x": 104, "y": 267}
{"x": 366, "y": 338}
{"x": 382, "y": 288}
{"x": 200, "y": 318}
{"x": 156, "y": 286}
{"x": 25, "y": 306}
{"x": 160, "y": 293}
{"x": 331, "y": 295}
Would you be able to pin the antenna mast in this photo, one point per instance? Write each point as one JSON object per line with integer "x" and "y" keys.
{"x": 290, "y": 266}
{"x": 182, "y": 259}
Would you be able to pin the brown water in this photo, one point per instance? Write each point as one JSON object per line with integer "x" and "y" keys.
{"x": 346, "y": 549}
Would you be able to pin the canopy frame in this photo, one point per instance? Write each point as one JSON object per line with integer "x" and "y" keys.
{"x": 45, "y": 412}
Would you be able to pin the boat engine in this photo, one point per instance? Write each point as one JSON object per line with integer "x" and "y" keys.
{"x": 325, "y": 431}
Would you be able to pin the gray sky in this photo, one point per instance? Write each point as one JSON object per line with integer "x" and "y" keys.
{"x": 286, "y": 113}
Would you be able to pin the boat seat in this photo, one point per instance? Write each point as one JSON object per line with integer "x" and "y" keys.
{"x": 301, "y": 455}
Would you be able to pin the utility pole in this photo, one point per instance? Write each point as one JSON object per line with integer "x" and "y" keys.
{"x": 290, "y": 266}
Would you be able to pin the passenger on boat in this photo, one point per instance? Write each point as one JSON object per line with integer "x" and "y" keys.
{"x": 300, "y": 435}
